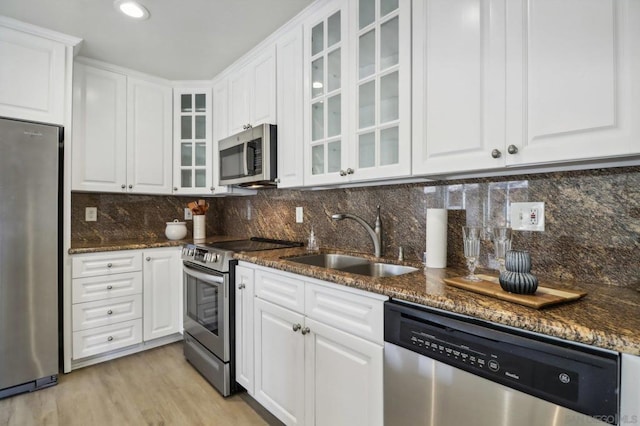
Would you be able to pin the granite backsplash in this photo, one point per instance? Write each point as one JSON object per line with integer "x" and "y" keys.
{"x": 592, "y": 219}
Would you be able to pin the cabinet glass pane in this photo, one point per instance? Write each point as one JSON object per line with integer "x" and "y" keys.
{"x": 186, "y": 158}
{"x": 334, "y": 70}
{"x": 367, "y": 150}
{"x": 387, "y": 6}
{"x": 201, "y": 127}
{"x": 201, "y": 155}
{"x": 389, "y": 97}
{"x": 185, "y": 127}
{"x": 389, "y": 44}
{"x": 317, "y": 77}
{"x": 185, "y": 103}
{"x": 317, "y": 128}
{"x": 367, "y": 50}
{"x": 317, "y": 39}
{"x": 367, "y": 13}
{"x": 333, "y": 29}
{"x": 334, "y": 117}
{"x": 201, "y": 102}
{"x": 185, "y": 178}
{"x": 317, "y": 160}
{"x": 366, "y": 101}
{"x": 389, "y": 146}
{"x": 201, "y": 178}
{"x": 334, "y": 156}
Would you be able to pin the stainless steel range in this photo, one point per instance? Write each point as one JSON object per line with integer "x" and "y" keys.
{"x": 209, "y": 330}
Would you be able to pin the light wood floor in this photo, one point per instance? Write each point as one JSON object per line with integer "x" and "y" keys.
{"x": 155, "y": 387}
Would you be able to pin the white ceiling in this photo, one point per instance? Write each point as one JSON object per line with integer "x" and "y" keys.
{"x": 182, "y": 40}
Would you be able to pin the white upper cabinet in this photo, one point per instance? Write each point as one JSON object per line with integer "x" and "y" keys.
{"x": 33, "y": 72}
{"x": 381, "y": 117}
{"x": 149, "y": 124}
{"x": 325, "y": 95}
{"x": 458, "y": 85}
{"x": 99, "y": 151}
{"x": 499, "y": 83}
{"x": 252, "y": 93}
{"x": 572, "y": 79}
{"x": 193, "y": 155}
{"x": 290, "y": 104}
{"x": 122, "y": 128}
{"x": 357, "y": 92}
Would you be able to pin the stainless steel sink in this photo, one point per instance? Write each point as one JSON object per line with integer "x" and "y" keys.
{"x": 353, "y": 264}
{"x": 331, "y": 261}
{"x": 379, "y": 269}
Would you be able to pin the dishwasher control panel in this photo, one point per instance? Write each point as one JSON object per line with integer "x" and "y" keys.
{"x": 582, "y": 379}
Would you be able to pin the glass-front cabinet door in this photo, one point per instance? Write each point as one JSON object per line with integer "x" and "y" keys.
{"x": 325, "y": 57}
{"x": 192, "y": 135}
{"x": 381, "y": 119}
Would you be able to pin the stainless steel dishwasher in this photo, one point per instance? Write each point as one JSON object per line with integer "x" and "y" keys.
{"x": 446, "y": 369}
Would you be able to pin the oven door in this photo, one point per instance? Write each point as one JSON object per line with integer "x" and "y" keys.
{"x": 206, "y": 313}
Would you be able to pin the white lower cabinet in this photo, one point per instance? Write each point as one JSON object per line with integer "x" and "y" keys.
{"x": 318, "y": 349}
{"x": 119, "y": 301}
{"x": 244, "y": 291}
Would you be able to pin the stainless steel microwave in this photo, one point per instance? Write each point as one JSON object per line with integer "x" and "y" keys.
{"x": 249, "y": 158}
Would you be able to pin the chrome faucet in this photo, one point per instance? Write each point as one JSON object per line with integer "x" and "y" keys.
{"x": 375, "y": 234}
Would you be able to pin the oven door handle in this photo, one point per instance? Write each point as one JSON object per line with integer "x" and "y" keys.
{"x": 208, "y": 278}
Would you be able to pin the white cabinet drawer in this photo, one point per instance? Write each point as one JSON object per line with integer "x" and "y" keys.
{"x": 106, "y": 312}
{"x": 356, "y": 314}
{"x": 281, "y": 289}
{"x": 106, "y": 286}
{"x": 89, "y": 265}
{"x": 104, "y": 339}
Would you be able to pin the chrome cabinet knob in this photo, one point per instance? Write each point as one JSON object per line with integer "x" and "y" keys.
{"x": 496, "y": 153}
{"x": 175, "y": 188}
{"x": 109, "y": 265}
{"x": 110, "y": 338}
{"x": 109, "y": 312}
{"x": 241, "y": 286}
{"x": 305, "y": 331}
{"x": 512, "y": 149}
{"x": 148, "y": 259}
{"x": 130, "y": 186}
{"x": 212, "y": 189}
{"x": 277, "y": 180}
{"x": 343, "y": 173}
{"x": 109, "y": 287}
{"x": 350, "y": 171}
{"x": 296, "y": 327}
{"x": 123, "y": 186}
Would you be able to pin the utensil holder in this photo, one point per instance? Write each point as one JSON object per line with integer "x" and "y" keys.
{"x": 199, "y": 227}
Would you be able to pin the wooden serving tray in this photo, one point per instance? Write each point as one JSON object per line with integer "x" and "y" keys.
{"x": 490, "y": 286}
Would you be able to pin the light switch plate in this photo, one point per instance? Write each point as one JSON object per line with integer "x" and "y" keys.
{"x": 188, "y": 214}
{"x": 91, "y": 214}
{"x": 527, "y": 216}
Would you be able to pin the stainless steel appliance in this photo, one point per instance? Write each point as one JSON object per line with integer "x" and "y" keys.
{"x": 446, "y": 369}
{"x": 209, "y": 271}
{"x": 30, "y": 165}
{"x": 249, "y": 158}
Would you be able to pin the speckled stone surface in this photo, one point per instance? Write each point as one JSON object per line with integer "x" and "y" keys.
{"x": 114, "y": 245}
{"x": 607, "y": 317}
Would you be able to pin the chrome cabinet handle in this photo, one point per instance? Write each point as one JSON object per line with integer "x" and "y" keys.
{"x": 496, "y": 153}
{"x": 110, "y": 338}
{"x": 109, "y": 312}
{"x": 512, "y": 149}
{"x": 241, "y": 286}
{"x": 296, "y": 327}
{"x": 350, "y": 171}
{"x": 109, "y": 287}
{"x": 305, "y": 331}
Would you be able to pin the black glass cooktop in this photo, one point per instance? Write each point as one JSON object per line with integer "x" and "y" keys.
{"x": 253, "y": 244}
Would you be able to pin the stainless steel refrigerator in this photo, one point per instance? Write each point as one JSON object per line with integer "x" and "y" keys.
{"x": 30, "y": 177}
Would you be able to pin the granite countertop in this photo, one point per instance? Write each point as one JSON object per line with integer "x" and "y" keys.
{"x": 607, "y": 317}
{"x": 100, "y": 246}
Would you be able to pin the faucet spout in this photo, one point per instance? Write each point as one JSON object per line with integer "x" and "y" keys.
{"x": 376, "y": 235}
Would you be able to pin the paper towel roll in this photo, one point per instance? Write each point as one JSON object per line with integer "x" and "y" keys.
{"x": 436, "y": 238}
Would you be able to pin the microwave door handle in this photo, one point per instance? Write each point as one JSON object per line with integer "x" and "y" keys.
{"x": 245, "y": 154}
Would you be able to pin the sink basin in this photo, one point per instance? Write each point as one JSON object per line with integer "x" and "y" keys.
{"x": 331, "y": 261}
{"x": 379, "y": 269}
{"x": 353, "y": 264}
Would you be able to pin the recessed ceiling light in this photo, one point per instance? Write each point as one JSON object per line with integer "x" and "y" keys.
{"x": 132, "y": 9}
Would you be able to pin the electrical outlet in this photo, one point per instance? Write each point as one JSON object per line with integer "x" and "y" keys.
{"x": 91, "y": 214}
{"x": 188, "y": 214}
{"x": 299, "y": 215}
{"x": 527, "y": 216}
